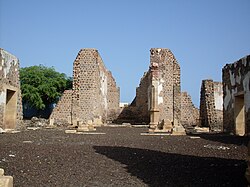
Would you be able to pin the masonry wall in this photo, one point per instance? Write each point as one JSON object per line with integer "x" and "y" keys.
{"x": 169, "y": 91}
{"x": 142, "y": 99}
{"x": 94, "y": 94}
{"x": 63, "y": 110}
{"x": 236, "y": 83}
{"x": 211, "y": 104}
{"x": 10, "y": 91}
{"x": 189, "y": 113}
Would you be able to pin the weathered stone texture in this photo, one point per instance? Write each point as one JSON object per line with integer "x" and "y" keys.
{"x": 63, "y": 110}
{"x": 166, "y": 81}
{"x": 142, "y": 99}
{"x": 11, "y": 113}
{"x": 189, "y": 113}
{"x": 95, "y": 94}
{"x": 211, "y": 105}
{"x": 236, "y": 95}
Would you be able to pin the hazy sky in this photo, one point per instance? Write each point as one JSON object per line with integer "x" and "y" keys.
{"x": 204, "y": 35}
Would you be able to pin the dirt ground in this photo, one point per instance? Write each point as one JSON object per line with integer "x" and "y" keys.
{"x": 122, "y": 157}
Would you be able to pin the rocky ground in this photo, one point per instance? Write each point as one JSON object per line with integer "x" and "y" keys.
{"x": 122, "y": 157}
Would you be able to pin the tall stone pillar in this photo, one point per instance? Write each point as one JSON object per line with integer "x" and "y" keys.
{"x": 154, "y": 109}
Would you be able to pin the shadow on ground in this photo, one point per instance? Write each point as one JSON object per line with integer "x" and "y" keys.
{"x": 156, "y": 168}
{"x": 226, "y": 138}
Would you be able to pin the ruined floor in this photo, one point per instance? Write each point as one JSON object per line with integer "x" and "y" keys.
{"x": 122, "y": 157}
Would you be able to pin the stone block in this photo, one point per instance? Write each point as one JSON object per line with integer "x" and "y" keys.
{"x": 1, "y": 172}
{"x": 70, "y": 131}
{"x": 6, "y": 181}
{"x": 51, "y": 122}
{"x": 97, "y": 121}
{"x": 179, "y": 130}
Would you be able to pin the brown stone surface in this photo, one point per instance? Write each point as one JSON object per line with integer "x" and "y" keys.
{"x": 210, "y": 95}
{"x": 189, "y": 113}
{"x": 122, "y": 157}
{"x": 94, "y": 95}
{"x": 164, "y": 76}
{"x": 63, "y": 110}
{"x": 11, "y": 113}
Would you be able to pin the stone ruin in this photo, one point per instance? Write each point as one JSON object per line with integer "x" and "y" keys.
{"x": 95, "y": 97}
{"x": 236, "y": 100}
{"x": 189, "y": 113}
{"x": 10, "y": 94}
{"x": 236, "y": 97}
{"x": 211, "y": 105}
{"x": 158, "y": 97}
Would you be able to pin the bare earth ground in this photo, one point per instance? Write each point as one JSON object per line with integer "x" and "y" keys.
{"x": 122, "y": 157}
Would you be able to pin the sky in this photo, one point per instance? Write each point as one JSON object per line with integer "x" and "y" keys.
{"x": 204, "y": 35}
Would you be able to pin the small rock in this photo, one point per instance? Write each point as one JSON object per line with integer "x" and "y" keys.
{"x": 2, "y": 131}
{"x": 1, "y": 172}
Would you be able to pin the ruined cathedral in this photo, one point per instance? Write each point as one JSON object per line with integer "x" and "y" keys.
{"x": 95, "y": 96}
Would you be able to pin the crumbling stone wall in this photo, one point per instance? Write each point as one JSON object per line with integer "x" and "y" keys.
{"x": 95, "y": 94}
{"x": 142, "y": 100}
{"x": 169, "y": 95}
{"x": 211, "y": 104}
{"x": 189, "y": 113}
{"x": 113, "y": 98}
{"x": 63, "y": 111}
{"x": 11, "y": 113}
{"x": 169, "y": 91}
{"x": 236, "y": 86}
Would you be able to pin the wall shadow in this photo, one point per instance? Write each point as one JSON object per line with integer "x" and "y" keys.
{"x": 156, "y": 168}
{"x": 226, "y": 138}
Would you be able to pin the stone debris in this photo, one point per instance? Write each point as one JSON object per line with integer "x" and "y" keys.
{"x": 33, "y": 128}
{"x": 27, "y": 141}
{"x": 201, "y": 129}
{"x": 2, "y": 131}
{"x": 70, "y": 131}
{"x": 220, "y": 147}
{"x": 91, "y": 133}
{"x": 154, "y": 134}
{"x": 195, "y": 137}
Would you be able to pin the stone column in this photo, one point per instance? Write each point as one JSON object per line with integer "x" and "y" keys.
{"x": 154, "y": 110}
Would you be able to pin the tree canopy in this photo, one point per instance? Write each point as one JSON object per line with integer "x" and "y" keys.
{"x": 42, "y": 86}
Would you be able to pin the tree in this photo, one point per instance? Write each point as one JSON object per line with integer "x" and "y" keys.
{"x": 42, "y": 86}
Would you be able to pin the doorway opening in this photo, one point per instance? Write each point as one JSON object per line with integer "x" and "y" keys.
{"x": 10, "y": 109}
{"x": 239, "y": 115}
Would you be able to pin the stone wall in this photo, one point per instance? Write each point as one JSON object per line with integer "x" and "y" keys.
{"x": 189, "y": 113}
{"x": 63, "y": 110}
{"x": 167, "y": 80}
{"x": 211, "y": 105}
{"x": 11, "y": 113}
{"x": 95, "y": 94}
{"x": 236, "y": 96}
